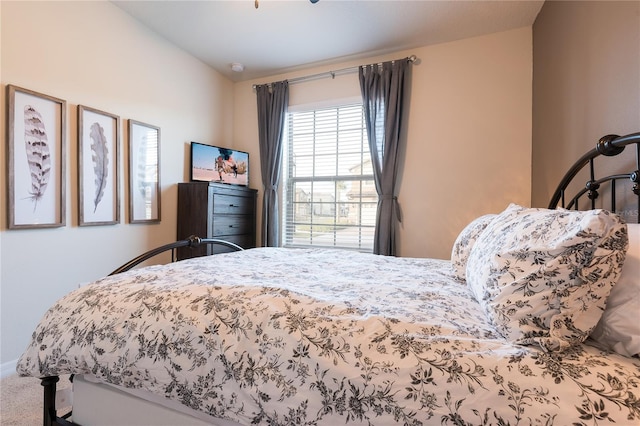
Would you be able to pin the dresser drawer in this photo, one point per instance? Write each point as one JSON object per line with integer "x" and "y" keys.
{"x": 232, "y": 225}
{"x": 232, "y": 204}
{"x": 215, "y": 210}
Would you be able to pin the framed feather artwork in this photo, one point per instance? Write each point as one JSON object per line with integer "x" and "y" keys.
{"x": 36, "y": 155}
{"x": 144, "y": 173}
{"x": 98, "y": 167}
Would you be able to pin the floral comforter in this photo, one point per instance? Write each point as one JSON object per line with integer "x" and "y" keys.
{"x": 323, "y": 337}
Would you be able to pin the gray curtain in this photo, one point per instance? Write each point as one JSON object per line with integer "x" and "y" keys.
{"x": 273, "y": 100}
{"x": 385, "y": 90}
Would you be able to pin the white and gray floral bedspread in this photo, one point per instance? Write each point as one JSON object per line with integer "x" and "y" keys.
{"x": 323, "y": 337}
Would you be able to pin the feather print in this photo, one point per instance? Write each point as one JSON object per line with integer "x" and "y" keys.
{"x": 38, "y": 155}
{"x": 100, "y": 157}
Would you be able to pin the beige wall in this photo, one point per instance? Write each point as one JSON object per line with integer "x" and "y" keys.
{"x": 93, "y": 54}
{"x": 469, "y": 139}
{"x": 586, "y": 84}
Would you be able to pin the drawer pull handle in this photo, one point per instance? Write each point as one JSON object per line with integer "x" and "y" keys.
{"x": 230, "y": 226}
{"x": 232, "y": 205}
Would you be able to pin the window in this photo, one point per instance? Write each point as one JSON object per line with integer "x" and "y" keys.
{"x": 330, "y": 198}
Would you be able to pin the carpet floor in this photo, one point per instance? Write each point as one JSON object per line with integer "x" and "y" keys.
{"x": 21, "y": 400}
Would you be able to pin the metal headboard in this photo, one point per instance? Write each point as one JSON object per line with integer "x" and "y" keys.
{"x": 609, "y": 146}
{"x": 192, "y": 241}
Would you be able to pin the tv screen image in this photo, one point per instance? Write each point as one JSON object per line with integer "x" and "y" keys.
{"x": 211, "y": 163}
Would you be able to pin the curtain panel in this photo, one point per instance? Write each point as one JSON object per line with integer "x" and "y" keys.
{"x": 385, "y": 89}
{"x": 273, "y": 101}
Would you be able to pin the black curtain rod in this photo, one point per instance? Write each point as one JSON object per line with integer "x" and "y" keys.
{"x": 332, "y": 74}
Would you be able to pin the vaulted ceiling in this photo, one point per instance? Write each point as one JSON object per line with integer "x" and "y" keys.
{"x": 280, "y": 36}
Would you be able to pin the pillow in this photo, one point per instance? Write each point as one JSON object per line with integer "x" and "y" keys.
{"x": 619, "y": 327}
{"x": 543, "y": 276}
{"x": 464, "y": 242}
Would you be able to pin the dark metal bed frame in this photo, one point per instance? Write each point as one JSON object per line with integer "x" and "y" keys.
{"x": 609, "y": 146}
{"x": 192, "y": 241}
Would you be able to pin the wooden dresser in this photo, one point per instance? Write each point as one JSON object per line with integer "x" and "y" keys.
{"x": 215, "y": 210}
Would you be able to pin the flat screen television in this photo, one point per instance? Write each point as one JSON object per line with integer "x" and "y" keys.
{"x": 211, "y": 163}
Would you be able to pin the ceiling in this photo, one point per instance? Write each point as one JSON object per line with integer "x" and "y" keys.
{"x": 282, "y": 36}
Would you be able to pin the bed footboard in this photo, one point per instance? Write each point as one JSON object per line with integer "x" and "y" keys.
{"x": 192, "y": 241}
{"x": 49, "y": 414}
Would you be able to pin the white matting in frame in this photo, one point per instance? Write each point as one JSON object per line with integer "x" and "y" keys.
{"x": 144, "y": 173}
{"x": 98, "y": 167}
{"x": 36, "y": 159}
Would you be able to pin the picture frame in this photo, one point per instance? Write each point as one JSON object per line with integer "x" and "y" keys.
{"x": 98, "y": 167}
{"x": 144, "y": 172}
{"x": 211, "y": 163}
{"x": 36, "y": 159}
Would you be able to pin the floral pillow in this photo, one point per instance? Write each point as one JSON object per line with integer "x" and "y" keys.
{"x": 543, "y": 276}
{"x": 463, "y": 244}
{"x": 619, "y": 327}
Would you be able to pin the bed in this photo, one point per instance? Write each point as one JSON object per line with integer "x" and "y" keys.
{"x": 533, "y": 321}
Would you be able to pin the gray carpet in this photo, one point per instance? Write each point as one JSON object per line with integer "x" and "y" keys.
{"x": 21, "y": 400}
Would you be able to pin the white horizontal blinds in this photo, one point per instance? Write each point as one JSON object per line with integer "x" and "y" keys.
{"x": 330, "y": 197}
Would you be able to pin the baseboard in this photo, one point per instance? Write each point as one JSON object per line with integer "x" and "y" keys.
{"x": 8, "y": 368}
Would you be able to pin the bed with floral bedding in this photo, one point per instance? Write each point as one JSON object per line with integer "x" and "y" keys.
{"x": 529, "y": 323}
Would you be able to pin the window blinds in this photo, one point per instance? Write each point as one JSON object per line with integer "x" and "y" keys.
{"x": 330, "y": 197}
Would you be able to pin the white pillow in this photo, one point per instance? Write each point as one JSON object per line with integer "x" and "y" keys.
{"x": 463, "y": 244}
{"x": 543, "y": 276}
{"x": 619, "y": 327}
